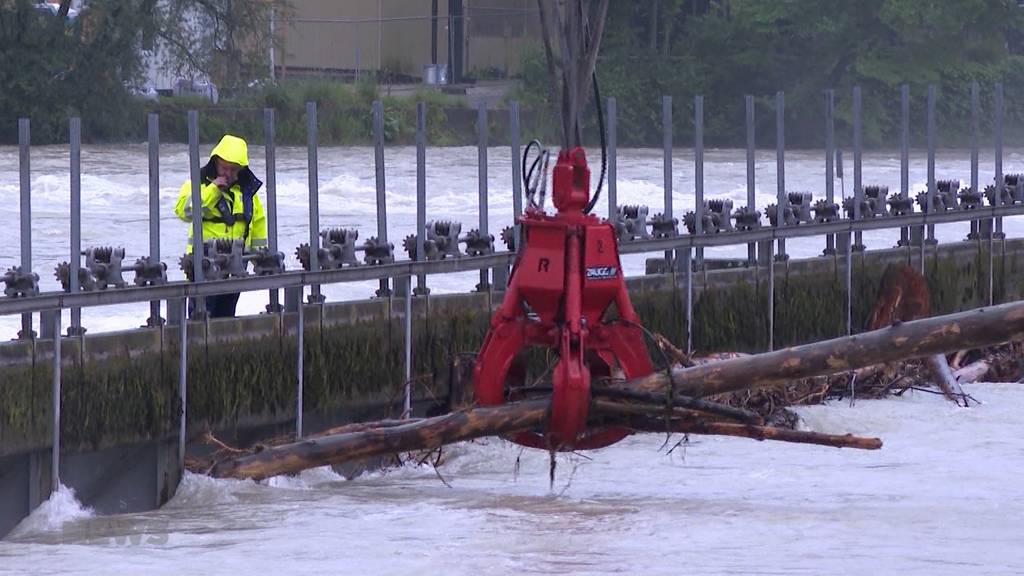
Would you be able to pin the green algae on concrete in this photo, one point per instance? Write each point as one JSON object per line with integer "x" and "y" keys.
{"x": 123, "y": 387}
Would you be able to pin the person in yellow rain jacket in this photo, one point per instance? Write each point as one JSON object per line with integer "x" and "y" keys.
{"x": 231, "y": 209}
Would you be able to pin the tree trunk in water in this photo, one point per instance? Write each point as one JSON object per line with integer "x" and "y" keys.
{"x": 424, "y": 434}
{"x": 917, "y": 339}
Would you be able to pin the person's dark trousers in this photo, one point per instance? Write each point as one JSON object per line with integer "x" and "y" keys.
{"x": 218, "y": 306}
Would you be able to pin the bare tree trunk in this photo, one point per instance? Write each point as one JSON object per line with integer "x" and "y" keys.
{"x": 917, "y": 339}
{"x": 419, "y": 435}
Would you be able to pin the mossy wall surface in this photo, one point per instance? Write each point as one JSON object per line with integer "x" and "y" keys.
{"x": 124, "y": 386}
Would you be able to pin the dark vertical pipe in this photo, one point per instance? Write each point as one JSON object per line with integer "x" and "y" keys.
{"x": 183, "y": 380}
{"x": 300, "y": 340}
{"x": 55, "y": 404}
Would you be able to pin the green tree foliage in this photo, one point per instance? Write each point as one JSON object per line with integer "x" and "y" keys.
{"x": 52, "y": 68}
{"x": 726, "y": 49}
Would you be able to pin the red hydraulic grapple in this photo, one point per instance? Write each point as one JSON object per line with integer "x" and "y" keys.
{"x": 564, "y": 280}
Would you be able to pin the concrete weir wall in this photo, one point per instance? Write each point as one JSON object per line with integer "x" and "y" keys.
{"x": 119, "y": 398}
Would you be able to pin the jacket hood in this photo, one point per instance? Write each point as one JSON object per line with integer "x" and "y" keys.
{"x": 231, "y": 149}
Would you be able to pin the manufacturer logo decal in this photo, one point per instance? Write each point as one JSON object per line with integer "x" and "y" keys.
{"x": 602, "y": 272}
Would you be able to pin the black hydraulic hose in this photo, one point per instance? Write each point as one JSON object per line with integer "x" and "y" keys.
{"x": 604, "y": 148}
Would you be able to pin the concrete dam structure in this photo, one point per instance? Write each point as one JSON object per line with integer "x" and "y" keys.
{"x": 115, "y": 415}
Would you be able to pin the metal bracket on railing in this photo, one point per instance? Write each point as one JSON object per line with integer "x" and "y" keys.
{"x": 265, "y": 262}
{"x": 63, "y": 275}
{"x": 944, "y": 199}
{"x": 429, "y": 248}
{"x": 874, "y": 198}
{"x": 149, "y": 272}
{"x": 900, "y": 204}
{"x": 478, "y": 244}
{"x": 969, "y": 199}
{"x": 104, "y": 263}
{"x": 664, "y": 227}
{"x": 630, "y": 222}
{"x": 721, "y": 214}
{"x": 946, "y": 191}
{"x": 746, "y": 218}
{"x": 801, "y": 203}
{"x": 1011, "y": 190}
{"x": 797, "y": 210}
{"x": 20, "y": 284}
{"x": 508, "y": 237}
{"x": 101, "y": 270}
{"x": 1015, "y": 184}
{"x": 445, "y": 236}
{"x": 376, "y": 252}
{"x": 825, "y": 211}
{"x": 224, "y": 258}
{"x": 337, "y": 249}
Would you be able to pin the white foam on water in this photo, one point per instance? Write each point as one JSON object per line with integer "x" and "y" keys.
{"x": 59, "y": 509}
{"x": 943, "y": 496}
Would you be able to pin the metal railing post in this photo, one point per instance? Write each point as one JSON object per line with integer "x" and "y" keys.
{"x": 974, "y": 150}
{"x": 482, "y": 132}
{"x": 905, "y": 236}
{"x": 858, "y": 185}
{"x": 781, "y": 199}
{"x": 315, "y": 297}
{"x": 25, "y": 215}
{"x": 517, "y": 171}
{"x": 698, "y": 173}
{"x": 75, "y": 139}
{"x": 748, "y": 102}
{"x": 421, "y": 194}
{"x": 270, "y": 149}
{"x": 378, "y": 169}
{"x": 666, "y": 141}
{"x": 830, "y": 154}
{"x": 930, "y": 128}
{"x": 199, "y": 310}
{"x": 153, "y": 139}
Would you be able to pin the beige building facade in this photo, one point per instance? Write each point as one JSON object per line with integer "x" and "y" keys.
{"x": 470, "y": 38}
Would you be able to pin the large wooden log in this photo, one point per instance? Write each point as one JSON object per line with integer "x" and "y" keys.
{"x": 910, "y": 340}
{"x": 424, "y": 434}
{"x": 649, "y": 424}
